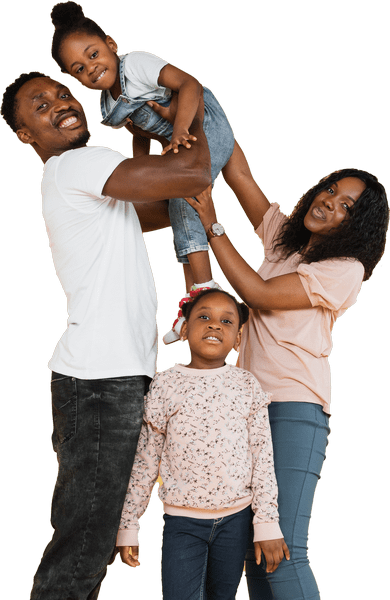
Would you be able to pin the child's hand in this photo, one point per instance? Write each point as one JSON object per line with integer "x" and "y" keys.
{"x": 166, "y": 112}
{"x": 205, "y": 207}
{"x": 274, "y": 551}
{"x": 129, "y": 555}
{"x": 182, "y": 138}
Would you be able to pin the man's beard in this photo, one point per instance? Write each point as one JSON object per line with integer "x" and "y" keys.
{"x": 80, "y": 141}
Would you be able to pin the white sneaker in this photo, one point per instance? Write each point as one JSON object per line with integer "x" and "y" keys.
{"x": 173, "y": 334}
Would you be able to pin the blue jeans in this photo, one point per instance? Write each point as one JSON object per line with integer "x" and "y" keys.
{"x": 96, "y": 428}
{"x": 188, "y": 232}
{"x": 299, "y": 435}
{"x": 203, "y": 559}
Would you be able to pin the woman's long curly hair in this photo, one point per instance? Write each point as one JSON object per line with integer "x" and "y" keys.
{"x": 362, "y": 236}
{"x": 68, "y": 18}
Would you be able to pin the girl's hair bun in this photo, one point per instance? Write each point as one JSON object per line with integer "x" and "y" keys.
{"x": 66, "y": 14}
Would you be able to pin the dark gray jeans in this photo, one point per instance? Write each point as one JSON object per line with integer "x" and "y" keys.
{"x": 96, "y": 428}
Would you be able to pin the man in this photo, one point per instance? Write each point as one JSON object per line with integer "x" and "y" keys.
{"x": 103, "y": 363}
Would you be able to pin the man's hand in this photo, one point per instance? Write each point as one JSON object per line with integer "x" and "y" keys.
{"x": 274, "y": 552}
{"x": 129, "y": 555}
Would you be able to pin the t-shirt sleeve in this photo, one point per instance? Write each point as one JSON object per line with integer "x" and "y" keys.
{"x": 333, "y": 284}
{"x": 144, "y": 68}
{"x": 270, "y": 226}
{"x": 85, "y": 171}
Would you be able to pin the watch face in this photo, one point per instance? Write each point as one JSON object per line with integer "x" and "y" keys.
{"x": 217, "y": 229}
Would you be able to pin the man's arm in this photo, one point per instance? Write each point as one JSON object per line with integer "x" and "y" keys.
{"x": 152, "y": 178}
{"x": 153, "y": 216}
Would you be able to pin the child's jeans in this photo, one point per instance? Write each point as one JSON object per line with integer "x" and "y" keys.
{"x": 204, "y": 558}
{"x": 188, "y": 232}
{"x": 299, "y": 435}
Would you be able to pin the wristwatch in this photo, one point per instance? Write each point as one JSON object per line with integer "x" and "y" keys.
{"x": 216, "y": 230}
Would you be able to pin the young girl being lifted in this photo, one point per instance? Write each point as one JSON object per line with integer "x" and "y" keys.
{"x": 129, "y": 84}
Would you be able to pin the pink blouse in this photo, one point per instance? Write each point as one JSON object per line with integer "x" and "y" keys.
{"x": 287, "y": 350}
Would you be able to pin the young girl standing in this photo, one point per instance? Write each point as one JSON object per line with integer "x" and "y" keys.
{"x": 206, "y": 431}
{"x": 127, "y": 84}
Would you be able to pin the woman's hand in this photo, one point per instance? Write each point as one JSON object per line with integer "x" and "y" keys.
{"x": 274, "y": 552}
{"x": 204, "y": 205}
{"x": 129, "y": 555}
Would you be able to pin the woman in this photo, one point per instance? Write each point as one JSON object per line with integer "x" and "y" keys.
{"x": 315, "y": 262}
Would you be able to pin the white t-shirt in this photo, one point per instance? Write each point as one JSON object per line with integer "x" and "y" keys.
{"x": 142, "y": 70}
{"x": 101, "y": 260}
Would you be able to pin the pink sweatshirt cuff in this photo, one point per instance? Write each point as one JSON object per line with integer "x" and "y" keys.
{"x": 127, "y": 537}
{"x": 266, "y": 531}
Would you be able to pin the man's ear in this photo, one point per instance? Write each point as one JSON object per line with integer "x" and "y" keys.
{"x": 112, "y": 44}
{"x": 238, "y": 341}
{"x": 25, "y": 136}
{"x": 183, "y": 331}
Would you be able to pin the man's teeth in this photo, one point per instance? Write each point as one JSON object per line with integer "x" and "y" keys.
{"x": 67, "y": 122}
{"x": 210, "y": 337}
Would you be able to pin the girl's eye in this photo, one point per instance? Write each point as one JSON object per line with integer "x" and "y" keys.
{"x": 94, "y": 55}
{"x": 345, "y": 206}
{"x": 330, "y": 190}
{"x": 226, "y": 321}
{"x": 79, "y": 70}
{"x": 203, "y": 317}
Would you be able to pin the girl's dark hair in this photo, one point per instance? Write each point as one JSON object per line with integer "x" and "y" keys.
{"x": 362, "y": 236}
{"x": 242, "y": 309}
{"x": 9, "y": 106}
{"x": 68, "y": 18}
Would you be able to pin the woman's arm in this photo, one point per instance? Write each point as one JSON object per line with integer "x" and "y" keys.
{"x": 238, "y": 176}
{"x": 285, "y": 292}
{"x": 189, "y": 93}
{"x": 236, "y": 172}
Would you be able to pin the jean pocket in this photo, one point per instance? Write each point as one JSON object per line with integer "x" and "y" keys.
{"x": 64, "y": 407}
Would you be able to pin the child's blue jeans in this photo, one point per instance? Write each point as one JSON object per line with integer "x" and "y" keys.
{"x": 188, "y": 232}
{"x": 204, "y": 558}
{"x": 299, "y": 435}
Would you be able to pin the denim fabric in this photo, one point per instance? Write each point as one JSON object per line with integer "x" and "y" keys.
{"x": 299, "y": 434}
{"x": 125, "y": 106}
{"x": 188, "y": 232}
{"x": 96, "y": 428}
{"x": 204, "y": 558}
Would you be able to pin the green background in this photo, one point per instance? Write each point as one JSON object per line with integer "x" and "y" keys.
{"x": 305, "y": 85}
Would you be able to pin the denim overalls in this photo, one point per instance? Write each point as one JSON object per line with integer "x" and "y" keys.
{"x": 188, "y": 231}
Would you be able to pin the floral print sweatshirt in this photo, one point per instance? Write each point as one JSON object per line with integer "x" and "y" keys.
{"x": 207, "y": 433}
